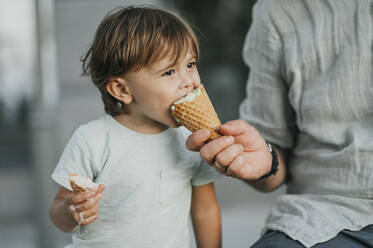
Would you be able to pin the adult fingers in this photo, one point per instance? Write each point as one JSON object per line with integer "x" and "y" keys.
{"x": 197, "y": 139}
{"x": 211, "y": 149}
{"x": 225, "y": 157}
{"x": 246, "y": 166}
{"x": 234, "y": 127}
{"x": 240, "y": 169}
{"x": 244, "y": 134}
{"x": 221, "y": 170}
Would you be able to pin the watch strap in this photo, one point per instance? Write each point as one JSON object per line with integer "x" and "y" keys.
{"x": 274, "y": 166}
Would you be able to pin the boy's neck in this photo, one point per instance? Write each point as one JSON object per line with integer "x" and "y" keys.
{"x": 140, "y": 126}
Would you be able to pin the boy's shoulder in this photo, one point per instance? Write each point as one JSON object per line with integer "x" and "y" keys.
{"x": 183, "y": 132}
{"x": 99, "y": 124}
{"x": 95, "y": 129}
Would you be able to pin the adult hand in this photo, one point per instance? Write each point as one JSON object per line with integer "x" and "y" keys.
{"x": 241, "y": 152}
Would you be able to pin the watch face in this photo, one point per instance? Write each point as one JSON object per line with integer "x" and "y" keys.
{"x": 269, "y": 146}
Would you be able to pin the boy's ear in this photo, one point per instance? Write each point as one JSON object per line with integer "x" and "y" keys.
{"x": 118, "y": 88}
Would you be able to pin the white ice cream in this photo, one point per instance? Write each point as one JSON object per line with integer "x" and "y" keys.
{"x": 84, "y": 182}
{"x": 188, "y": 98}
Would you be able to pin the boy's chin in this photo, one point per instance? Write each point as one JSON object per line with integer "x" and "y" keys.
{"x": 175, "y": 124}
{"x": 171, "y": 122}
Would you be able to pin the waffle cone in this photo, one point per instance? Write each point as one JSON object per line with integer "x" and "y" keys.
{"x": 79, "y": 187}
{"x": 197, "y": 114}
{"x": 76, "y": 188}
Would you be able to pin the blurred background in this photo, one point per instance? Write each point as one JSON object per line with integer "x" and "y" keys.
{"x": 43, "y": 99}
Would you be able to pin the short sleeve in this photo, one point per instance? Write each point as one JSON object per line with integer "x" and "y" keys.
{"x": 204, "y": 174}
{"x": 266, "y": 105}
{"x": 74, "y": 159}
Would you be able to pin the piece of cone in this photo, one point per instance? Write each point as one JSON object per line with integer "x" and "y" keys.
{"x": 76, "y": 188}
{"x": 197, "y": 114}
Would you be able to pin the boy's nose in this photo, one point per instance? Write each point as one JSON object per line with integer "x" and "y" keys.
{"x": 196, "y": 83}
{"x": 186, "y": 81}
{"x": 189, "y": 81}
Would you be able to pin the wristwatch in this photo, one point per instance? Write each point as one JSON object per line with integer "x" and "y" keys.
{"x": 274, "y": 166}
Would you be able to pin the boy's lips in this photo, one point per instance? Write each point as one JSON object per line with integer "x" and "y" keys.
{"x": 189, "y": 97}
{"x": 178, "y": 99}
{"x": 183, "y": 96}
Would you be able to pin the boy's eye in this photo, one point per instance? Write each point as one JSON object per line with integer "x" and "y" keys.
{"x": 191, "y": 64}
{"x": 168, "y": 73}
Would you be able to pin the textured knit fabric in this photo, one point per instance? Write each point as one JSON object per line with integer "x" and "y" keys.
{"x": 310, "y": 90}
{"x": 148, "y": 181}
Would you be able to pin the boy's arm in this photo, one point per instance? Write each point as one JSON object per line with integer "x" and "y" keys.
{"x": 84, "y": 211}
{"x": 206, "y": 217}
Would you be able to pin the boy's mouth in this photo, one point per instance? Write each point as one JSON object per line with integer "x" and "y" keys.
{"x": 190, "y": 96}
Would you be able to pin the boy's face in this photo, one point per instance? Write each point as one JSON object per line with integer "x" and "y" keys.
{"x": 156, "y": 87}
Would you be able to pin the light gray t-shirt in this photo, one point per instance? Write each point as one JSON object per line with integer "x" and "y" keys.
{"x": 148, "y": 180}
{"x": 310, "y": 90}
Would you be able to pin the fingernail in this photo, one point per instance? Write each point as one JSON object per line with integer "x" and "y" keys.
{"x": 241, "y": 148}
{"x": 229, "y": 139}
{"x": 205, "y": 133}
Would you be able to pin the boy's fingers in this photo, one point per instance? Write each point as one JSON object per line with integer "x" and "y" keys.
{"x": 81, "y": 197}
{"x": 82, "y": 201}
{"x": 197, "y": 139}
{"x": 89, "y": 203}
{"x": 100, "y": 188}
{"x": 68, "y": 200}
{"x": 89, "y": 220}
{"x": 80, "y": 217}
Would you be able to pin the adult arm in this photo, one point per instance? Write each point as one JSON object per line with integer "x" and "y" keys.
{"x": 206, "y": 217}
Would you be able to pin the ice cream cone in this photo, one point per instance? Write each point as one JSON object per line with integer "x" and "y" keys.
{"x": 81, "y": 184}
{"x": 195, "y": 112}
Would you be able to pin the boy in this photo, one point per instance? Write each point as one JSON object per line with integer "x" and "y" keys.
{"x": 142, "y": 60}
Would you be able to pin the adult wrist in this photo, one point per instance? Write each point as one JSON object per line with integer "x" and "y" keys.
{"x": 274, "y": 164}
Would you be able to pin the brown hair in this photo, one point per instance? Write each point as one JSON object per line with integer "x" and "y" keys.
{"x": 131, "y": 38}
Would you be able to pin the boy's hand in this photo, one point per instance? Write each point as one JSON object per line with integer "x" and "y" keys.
{"x": 84, "y": 207}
